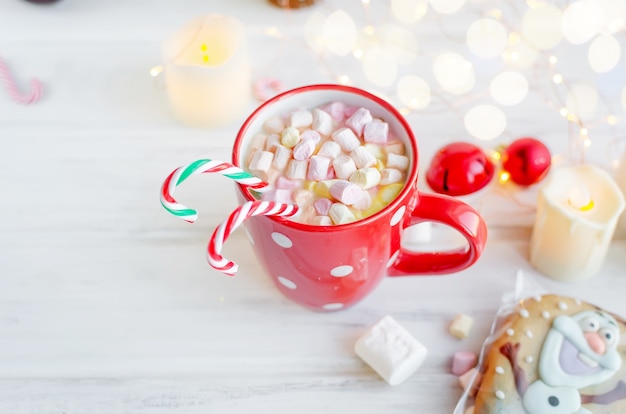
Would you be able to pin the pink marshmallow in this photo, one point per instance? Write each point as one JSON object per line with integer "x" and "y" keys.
{"x": 287, "y": 184}
{"x": 376, "y": 132}
{"x": 463, "y": 361}
{"x": 304, "y": 149}
{"x": 346, "y": 192}
{"x": 335, "y": 110}
{"x": 322, "y": 205}
{"x": 357, "y": 121}
{"x": 278, "y": 196}
{"x": 311, "y": 134}
{"x": 318, "y": 168}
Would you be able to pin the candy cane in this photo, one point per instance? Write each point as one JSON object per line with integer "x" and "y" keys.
{"x": 203, "y": 166}
{"x": 264, "y": 86}
{"x": 13, "y": 90}
{"x": 238, "y": 216}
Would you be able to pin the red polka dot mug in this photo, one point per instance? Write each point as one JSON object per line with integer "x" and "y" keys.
{"x": 331, "y": 267}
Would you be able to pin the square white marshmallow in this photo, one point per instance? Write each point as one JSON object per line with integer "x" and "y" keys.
{"x": 390, "y": 350}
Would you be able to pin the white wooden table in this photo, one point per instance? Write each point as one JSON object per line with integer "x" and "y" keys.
{"x": 107, "y": 304}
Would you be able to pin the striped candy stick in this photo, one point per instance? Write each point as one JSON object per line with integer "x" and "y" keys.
{"x": 14, "y": 92}
{"x": 203, "y": 166}
{"x": 238, "y": 216}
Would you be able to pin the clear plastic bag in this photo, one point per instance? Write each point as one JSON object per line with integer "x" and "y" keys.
{"x": 546, "y": 354}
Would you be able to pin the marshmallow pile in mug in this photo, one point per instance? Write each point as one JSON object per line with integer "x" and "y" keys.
{"x": 337, "y": 162}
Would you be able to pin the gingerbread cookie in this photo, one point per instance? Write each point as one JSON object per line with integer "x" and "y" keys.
{"x": 554, "y": 355}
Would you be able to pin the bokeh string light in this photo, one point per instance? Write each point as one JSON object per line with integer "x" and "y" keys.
{"x": 521, "y": 40}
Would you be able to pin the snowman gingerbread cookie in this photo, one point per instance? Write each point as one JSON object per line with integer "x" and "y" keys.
{"x": 555, "y": 355}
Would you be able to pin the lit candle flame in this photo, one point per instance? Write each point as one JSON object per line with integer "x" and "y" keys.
{"x": 580, "y": 198}
{"x": 205, "y": 56}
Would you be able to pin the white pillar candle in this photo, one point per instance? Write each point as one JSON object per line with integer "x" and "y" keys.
{"x": 577, "y": 211}
{"x": 620, "y": 177}
{"x": 207, "y": 71}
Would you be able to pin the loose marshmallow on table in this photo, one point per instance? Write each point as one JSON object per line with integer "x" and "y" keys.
{"x": 390, "y": 350}
{"x": 463, "y": 361}
{"x": 461, "y": 325}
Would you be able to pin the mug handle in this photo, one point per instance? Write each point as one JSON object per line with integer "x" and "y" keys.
{"x": 454, "y": 213}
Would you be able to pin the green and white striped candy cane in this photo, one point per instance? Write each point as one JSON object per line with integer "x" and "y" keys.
{"x": 181, "y": 173}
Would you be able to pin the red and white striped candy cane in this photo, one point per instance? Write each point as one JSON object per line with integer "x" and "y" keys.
{"x": 14, "y": 91}
{"x": 265, "y": 88}
{"x": 238, "y": 216}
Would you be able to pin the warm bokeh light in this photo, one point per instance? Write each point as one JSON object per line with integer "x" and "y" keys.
{"x": 604, "y": 53}
{"x": 580, "y": 22}
{"x": 509, "y": 88}
{"x": 485, "y": 122}
{"x": 414, "y": 92}
{"x": 454, "y": 73}
{"x": 541, "y": 26}
{"x": 409, "y": 11}
{"x": 379, "y": 66}
{"x": 446, "y": 6}
{"x": 518, "y": 54}
{"x": 340, "y": 33}
{"x": 400, "y": 41}
{"x": 486, "y": 38}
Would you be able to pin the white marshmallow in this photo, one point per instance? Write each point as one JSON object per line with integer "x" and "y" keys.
{"x": 303, "y": 198}
{"x": 335, "y": 109}
{"x": 340, "y": 214}
{"x": 272, "y": 142}
{"x": 261, "y": 162}
{"x": 395, "y": 148}
{"x": 322, "y": 122}
{"x": 366, "y": 178}
{"x": 274, "y": 125}
{"x": 321, "y": 221}
{"x": 362, "y": 157}
{"x": 346, "y": 192}
{"x": 344, "y": 167}
{"x": 330, "y": 149}
{"x": 390, "y": 350}
{"x": 296, "y": 169}
{"x": 310, "y": 134}
{"x": 376, "y": 132}
{"x": 461, "y": 325}
{"x": 375, "y": 150}
{"x": 400, "y": 162}
{"x": 364, "y": 202}
{"x": 258, "y": 142}
{"x": 318, "y": 168}
{"x": 322, "y": 188}
{"x": 290, "y": 137}
{"x": 282, "y": 155}
{"x": 358, "y": 120}
{"x": 390, "y": 176}
{"x": 303, "y": 149}
{"x": 346, "y": 139}
{"x": 301, "y": 118}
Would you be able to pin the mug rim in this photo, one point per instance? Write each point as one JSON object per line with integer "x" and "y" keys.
{"x": 411, "y": 178}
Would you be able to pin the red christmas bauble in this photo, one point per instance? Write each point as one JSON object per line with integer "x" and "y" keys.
{"x": 459, "y": 169}
{"x": 527, "y": 160}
